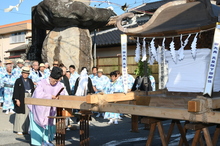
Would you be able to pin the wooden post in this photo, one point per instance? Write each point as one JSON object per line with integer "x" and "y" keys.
{"x": 119, "y": 62}
{"x": 162, "y": 134}
{"x": 182, "y": 132}
{"x": 216, "y": 135}
{"x": 84, "y": 128}
{"x": 207, "y": 136}
{"x": 60, "y": 129}
{"x": 196, "y": 137}
{"x": 134, "y": 123}
{"x": 97, "y": 62}
{"x": 185, "y": 131}
{"x": 170, "y": 131}
{"x": 151, "y": 134}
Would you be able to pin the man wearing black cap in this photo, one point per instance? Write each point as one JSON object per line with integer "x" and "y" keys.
{"x": 41, "y": 127}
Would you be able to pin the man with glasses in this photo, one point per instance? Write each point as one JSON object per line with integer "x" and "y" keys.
{"x": 35, "y": 75}
{"x": 56, "y": 63}
{"x": 17, "y": 71}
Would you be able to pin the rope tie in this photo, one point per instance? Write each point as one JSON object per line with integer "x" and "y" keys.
{"x": 101, "y": 102}
{"x": 205, "y": 107}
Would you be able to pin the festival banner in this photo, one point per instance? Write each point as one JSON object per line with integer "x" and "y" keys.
{"x": 124, "y": 61}
{"x": 213, "y": 62}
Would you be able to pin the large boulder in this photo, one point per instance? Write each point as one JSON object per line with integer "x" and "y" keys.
{"x": 68, "y": 45}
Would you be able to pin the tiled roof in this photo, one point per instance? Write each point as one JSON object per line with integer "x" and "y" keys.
{"x": 15, "y": 24}
{"x": 110, "y": 37}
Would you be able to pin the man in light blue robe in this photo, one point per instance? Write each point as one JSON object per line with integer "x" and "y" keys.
{"x": 7, "y": 81}
{"x": 94, "y": 74}
{"x": 73, "y": 76}
{"x": 35, "y": 75}
{"x": 17, "y": 71}
{"x": 152, "y": 80}
{"x": 1, "y": 86}
{"x": 116, "y": 86}
{"x": 101, "y": 82}
{"x": 47, "y": 69}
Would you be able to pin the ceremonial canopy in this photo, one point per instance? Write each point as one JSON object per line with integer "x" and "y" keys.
{"x": 175, "y": 18}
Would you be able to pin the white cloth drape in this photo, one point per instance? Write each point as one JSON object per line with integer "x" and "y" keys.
{"x": 83, "y": 84}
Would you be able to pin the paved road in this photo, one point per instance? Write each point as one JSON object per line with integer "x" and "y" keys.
{"x": 101, "y": 134}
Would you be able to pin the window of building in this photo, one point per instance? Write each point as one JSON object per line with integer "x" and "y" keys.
{"x": 18, "y": 37}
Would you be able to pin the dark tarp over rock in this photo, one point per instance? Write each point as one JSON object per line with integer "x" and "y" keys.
{"x": 54, "y": 13}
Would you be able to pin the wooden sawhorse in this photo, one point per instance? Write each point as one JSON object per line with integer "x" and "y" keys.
{"x": 153, "y": 122}
{"x": 200, "y": 127}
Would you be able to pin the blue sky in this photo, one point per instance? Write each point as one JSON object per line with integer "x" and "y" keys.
{"x": 24, "y": 12}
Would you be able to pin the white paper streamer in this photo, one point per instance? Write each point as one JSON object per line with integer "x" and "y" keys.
{"x": 137, "y": 51}
{"x": 193, "y": 46}
{"x": 180, "y": 51}
{"x": 163, "y": 42}
{"x": 10, "y": 8}
{"x": 172, "y": 51}
{"x": 144, "y": 50}
{"x": 183, "y": 45}
{"x": 153, "y": 49}
{"x": 163, "y": 47}
{"x": 159, "y": 53}
{"x": 151, "y": 58}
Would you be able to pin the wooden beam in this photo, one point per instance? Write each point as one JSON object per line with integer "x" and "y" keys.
{"x": 77, "y": 98}
{"x": 194, "y": 105}
{"x": 163, "y": 91}
{"x": 98, "y": 98}
{"x": 197, "y": 126}
{"x": 149, "y": 120}
{"x": 143, "y": 100}
{"x": 216, "y": 103}
{"x": 160, "y": 112}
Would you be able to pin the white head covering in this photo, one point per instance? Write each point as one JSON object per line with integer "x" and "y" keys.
{"x": 83, "y": 83}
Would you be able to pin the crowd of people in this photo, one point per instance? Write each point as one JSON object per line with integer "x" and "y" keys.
{"x": 29, "y": 79}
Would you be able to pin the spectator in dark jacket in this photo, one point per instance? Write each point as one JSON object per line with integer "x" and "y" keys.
{"x": 65, "y": 80}
{"x": 23, "y": 88}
